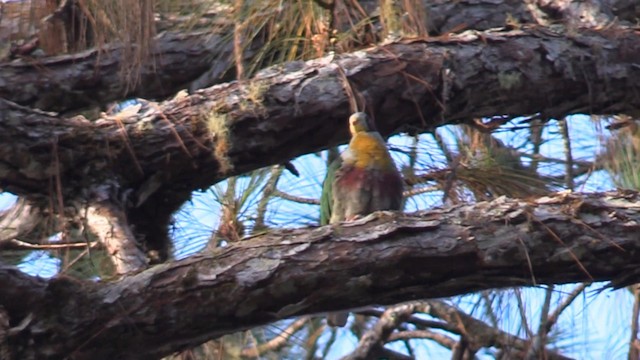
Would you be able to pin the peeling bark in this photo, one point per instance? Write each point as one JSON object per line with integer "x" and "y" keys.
{"x": 382, "y": 259}
{"x": 109, "y": 223}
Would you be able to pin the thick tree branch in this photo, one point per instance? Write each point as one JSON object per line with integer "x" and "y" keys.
{"x": 194, "y": 141}
{"x": 63, "y": 83}
{"x": 382, "y": 259}
{"x": 202, "y": 58}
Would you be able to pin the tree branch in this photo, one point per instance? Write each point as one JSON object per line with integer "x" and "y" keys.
{"x": 481, "y": 334}
{"x": 108, "y": 222}
{"x": 382, "y": 259}
{"x": 372, "y": 342}
{"x": 60, "y": 83}
{"x": 160, "y": 154}
{"x": 439, "y": 338}
{"x": 278, "y": 341}
{"x": 204, "y": 136}
{"x": 24, "y": 221}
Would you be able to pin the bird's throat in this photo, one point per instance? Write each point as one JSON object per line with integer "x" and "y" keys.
{"x": 368, "y": 150}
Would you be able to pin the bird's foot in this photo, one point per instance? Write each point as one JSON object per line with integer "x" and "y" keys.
{"x": 353, "y": 218}
{"x": 360, "y": 219}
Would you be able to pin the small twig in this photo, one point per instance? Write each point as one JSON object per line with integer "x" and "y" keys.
{"x": 329, "y": 343}
{"x": 315, "y": 329}
{"x": 489, "y": 308}
{"x": 537, "y": 351}
{"x": 392, "y": 355}
{"x": 371, "y": 344}
{"x": 566, "y": 140}
{"x": 237, "y": 40}
{"x": 15, "y": 244}
{"x": 417, "y": 321}
{"x": 442, "y": 339}
{"x": 523, "y": 315}
{"x": 553, "y": 317}
{"x": 634, "y": 352}
{"x": 69, "y": 263}
{"x": 479, "y": 333}
{"x": 298, "y": 199}
{"x": 443, "y": 147}
{"x": 278, "y": 341}
{"x": 535, "y": 136}
{"x": 419, "y": 191}
{"x": 407, "y": 346}
{"x": 58, "y": 181}
{"x": 129, "y": 146}
{"x": 352, "y": 94}
{"x": 413, "y": 158}
{"x": 267, "y": 194}
{"x": 526, "y": 255}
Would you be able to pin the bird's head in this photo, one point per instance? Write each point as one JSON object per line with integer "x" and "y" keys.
{"x": 360, "y": 122}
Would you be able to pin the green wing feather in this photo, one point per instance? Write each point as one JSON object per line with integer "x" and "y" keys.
{"x": 326, "y": 199}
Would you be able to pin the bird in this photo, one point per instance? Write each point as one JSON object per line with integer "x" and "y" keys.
{"x": 363, "y": 179}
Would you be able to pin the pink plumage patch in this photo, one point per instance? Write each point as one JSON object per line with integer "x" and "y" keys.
{"x": 368, "y": 190}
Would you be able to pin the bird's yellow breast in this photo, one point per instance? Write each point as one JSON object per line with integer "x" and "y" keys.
{"x": 369, "y": 150}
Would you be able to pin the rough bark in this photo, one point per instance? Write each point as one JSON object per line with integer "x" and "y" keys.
{"x": 382, "y": 259}
{"x": 200, "y": 59}
{"x": 196, "y": 140}
{"x": 109, "y": 223}
{"x": 486, "y": 14}
{"x": 94, "y": 77}
{"x": 153, "y": 159}
{"x": 22, "y": 221}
